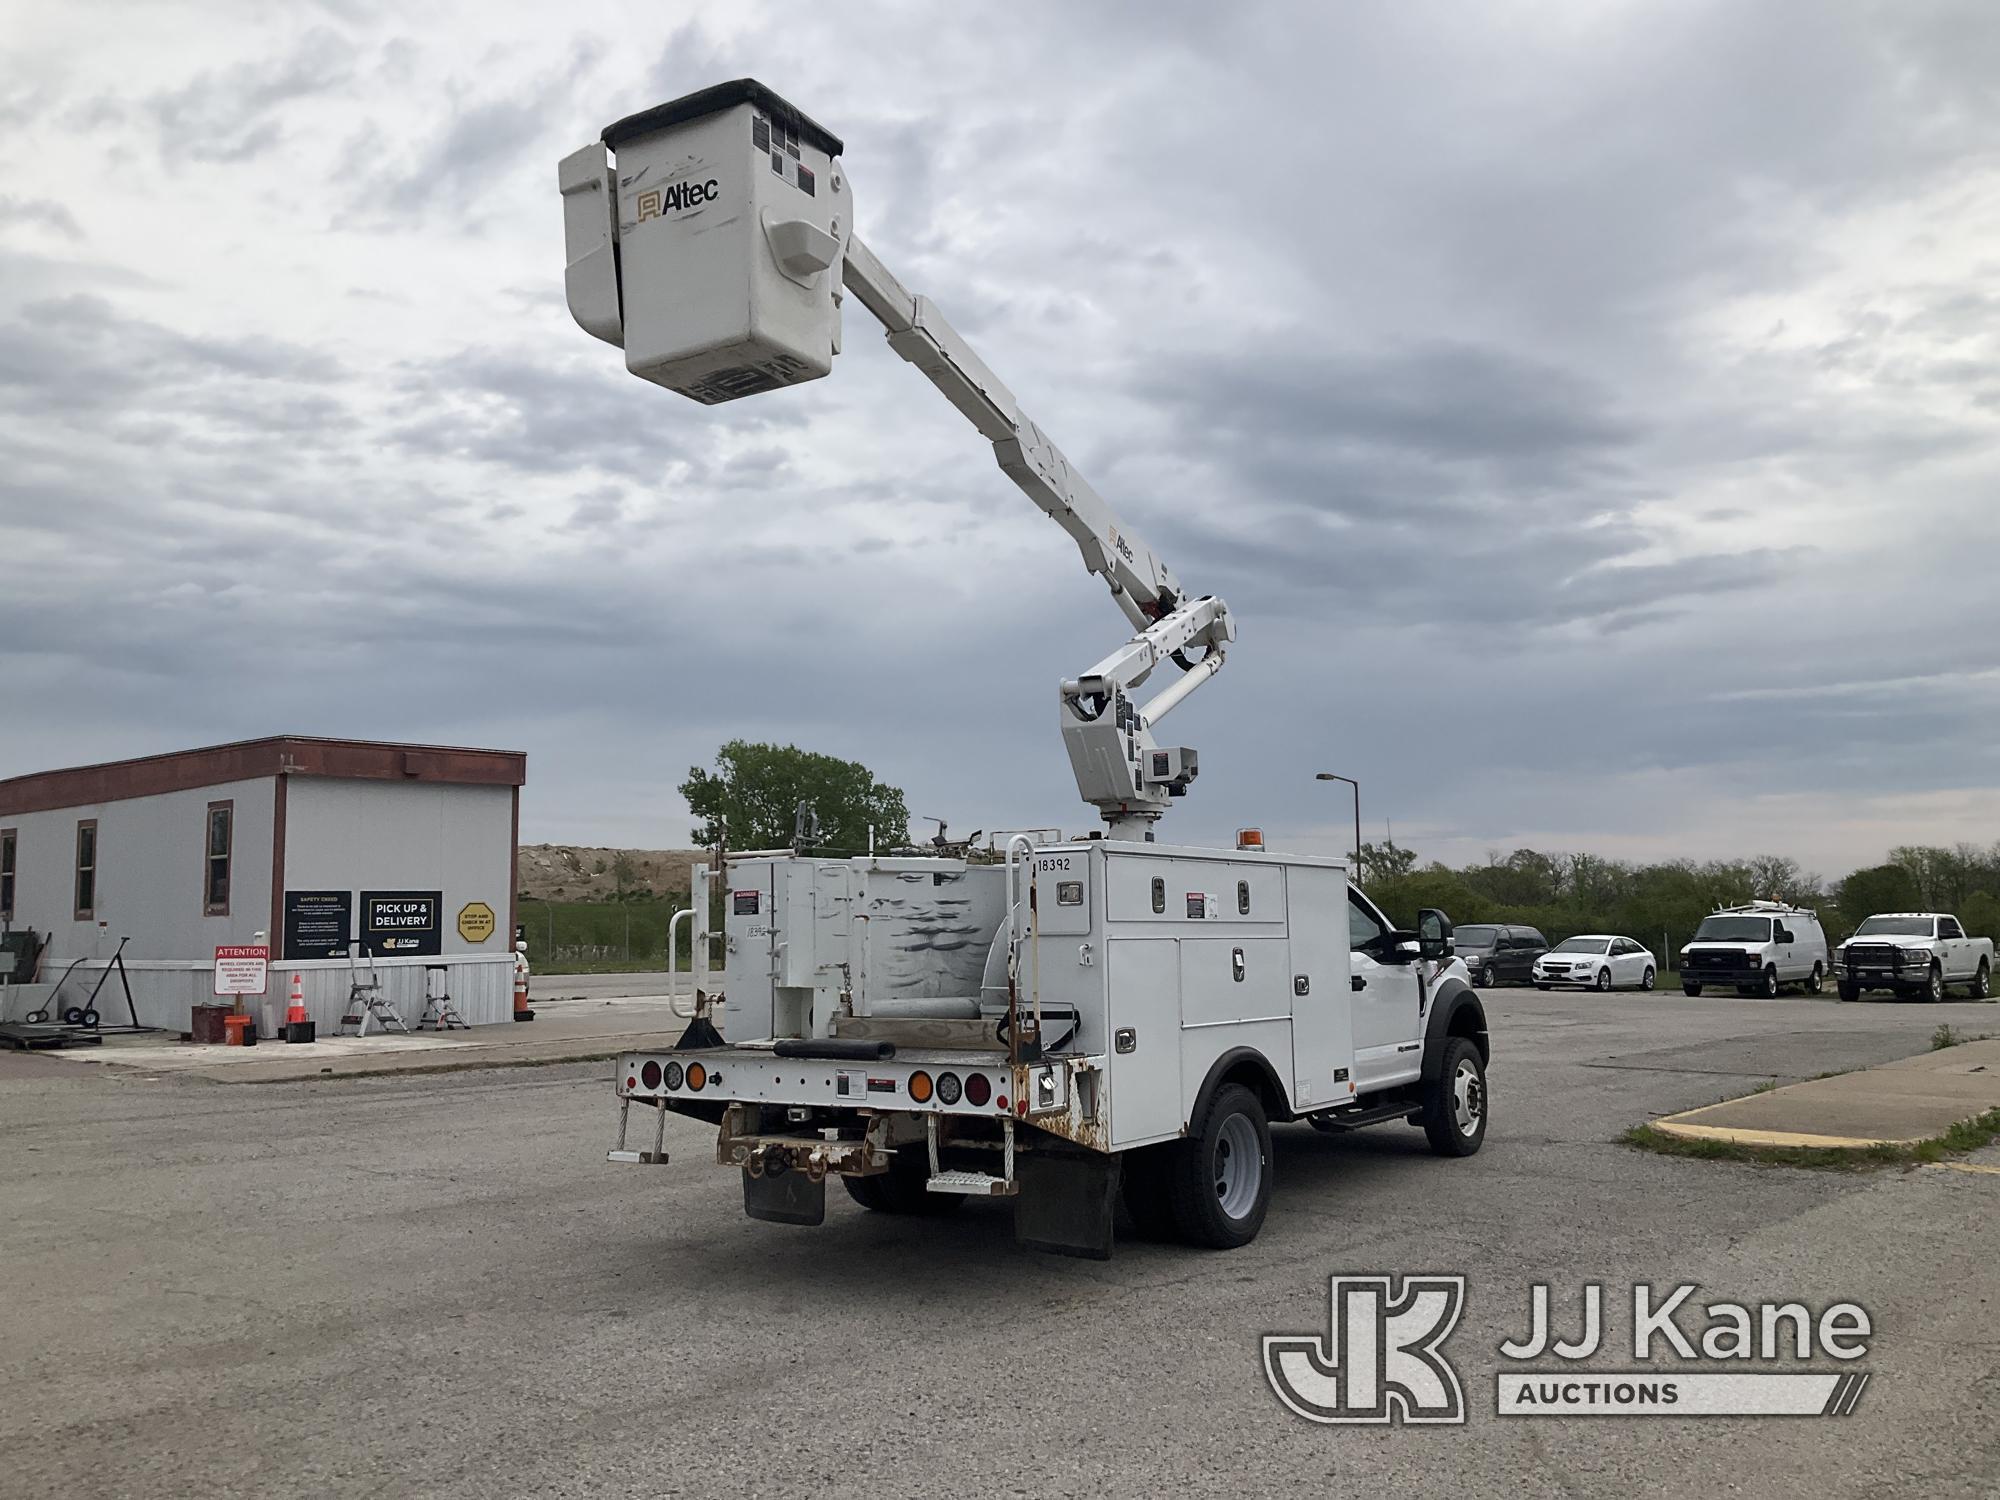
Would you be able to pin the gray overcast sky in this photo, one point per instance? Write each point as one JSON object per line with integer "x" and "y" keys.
{"x": 1588, "y": 410}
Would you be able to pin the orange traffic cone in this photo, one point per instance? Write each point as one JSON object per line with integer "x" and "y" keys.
{"x": 298, "y": 1026}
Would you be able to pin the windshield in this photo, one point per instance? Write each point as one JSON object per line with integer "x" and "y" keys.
{"x": 1894, "y": 927}
{"x": 1581, "y": 945}
{"x": 1476, "y": 937}
{"x": 1734, "y": 930}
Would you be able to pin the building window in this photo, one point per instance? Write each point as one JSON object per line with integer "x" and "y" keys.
{"x": 7, "y": 839}
{"x": 215, "y": 858}
{"x": 86, "y": 869}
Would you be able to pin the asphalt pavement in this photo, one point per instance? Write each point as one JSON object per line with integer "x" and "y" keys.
{"x": 435, "y": 1285}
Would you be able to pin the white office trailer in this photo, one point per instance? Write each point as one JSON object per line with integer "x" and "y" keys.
{"x": 405, "y": 852}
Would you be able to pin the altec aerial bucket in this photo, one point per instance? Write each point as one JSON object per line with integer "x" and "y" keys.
{"x": 711, "y": 252}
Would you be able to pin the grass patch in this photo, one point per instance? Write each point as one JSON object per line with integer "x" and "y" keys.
{"x": 1944, "y": 1037}
{"x": 1966, "y": 1135}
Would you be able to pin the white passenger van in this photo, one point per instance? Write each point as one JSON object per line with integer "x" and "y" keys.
{"x": 1757, "y": 947}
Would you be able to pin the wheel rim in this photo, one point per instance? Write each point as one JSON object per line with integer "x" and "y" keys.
{"x": 1604, "y": 979}
{"x": 1770, "y": 981}
{"x": 1468, "y": 1098}
{"x": 1652, "y": 978}
{"x": 1983, "y": 982}
{"x": 1937, "y": 985}
{"x": 1239, "y": 1167}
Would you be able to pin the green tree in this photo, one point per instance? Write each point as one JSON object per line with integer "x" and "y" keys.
{"x": 757, "y": 789}
{"x": 1879, "y": 888}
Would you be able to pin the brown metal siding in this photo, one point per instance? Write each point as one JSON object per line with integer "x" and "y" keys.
{"x": 355, "y": 760}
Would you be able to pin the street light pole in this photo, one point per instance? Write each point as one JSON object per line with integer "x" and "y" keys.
{"x": 1331, "y": 776}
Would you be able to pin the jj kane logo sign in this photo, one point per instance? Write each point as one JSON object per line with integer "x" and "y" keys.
{"x": 1382, "y": 1358}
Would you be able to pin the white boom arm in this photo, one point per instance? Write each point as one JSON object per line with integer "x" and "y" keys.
{"x": 714, "y": 255}
{"x": 1119, "y": 769}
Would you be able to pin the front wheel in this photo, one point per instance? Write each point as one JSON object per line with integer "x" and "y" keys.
{"x": 1219, "y": 1181}
{"x": 1455, "y": 1101}
{"x": 1817, "y": 981}
{"x": 1692, "y": 991}
{"x": 1652, "y": 978}
{"x": 1539, "y": 985}
{"x": 1849, "y": 991}
{"x": 1934, "y": 986}
{"x": 1982, "y": 982}
{"x": 1603, "y": 980}
{"x": 1768, "y": 988}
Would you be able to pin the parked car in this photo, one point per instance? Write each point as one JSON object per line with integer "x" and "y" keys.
{"x": 1757, "y": 947}
{"x": 1597, "y": 961}
{"x": 1494, "y": 952}
{"x": 1913, "y": 953}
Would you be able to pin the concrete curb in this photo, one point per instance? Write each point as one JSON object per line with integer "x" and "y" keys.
{"x": 1895, "y": 1104}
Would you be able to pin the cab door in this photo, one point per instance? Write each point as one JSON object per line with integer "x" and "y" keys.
{"x": 1388, "y": 1004}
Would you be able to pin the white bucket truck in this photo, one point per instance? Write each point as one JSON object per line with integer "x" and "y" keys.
{"x": 1089, "y": 1017}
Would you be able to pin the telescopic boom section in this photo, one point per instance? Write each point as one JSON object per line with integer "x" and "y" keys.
{"x": 715, "y": 256}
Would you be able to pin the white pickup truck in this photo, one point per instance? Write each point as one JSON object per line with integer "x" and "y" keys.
{"x": 1913, "y": 953}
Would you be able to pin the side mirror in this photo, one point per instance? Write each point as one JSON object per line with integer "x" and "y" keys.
{"x": 1433, "y": 934}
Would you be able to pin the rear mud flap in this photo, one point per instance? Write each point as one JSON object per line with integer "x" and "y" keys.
{"x": 785, "y": 1198}
{"x": 1065, "y": 1204}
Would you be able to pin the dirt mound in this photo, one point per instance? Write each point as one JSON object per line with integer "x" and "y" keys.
{"x": 576, "y": 872}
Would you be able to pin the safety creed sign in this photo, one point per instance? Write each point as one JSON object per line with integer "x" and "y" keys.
{"x": 476, "y": 921}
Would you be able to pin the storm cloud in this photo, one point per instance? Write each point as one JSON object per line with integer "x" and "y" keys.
{"x": 1588, "y": 411}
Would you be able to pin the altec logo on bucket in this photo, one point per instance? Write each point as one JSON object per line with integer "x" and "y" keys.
{"x": 1382, "y": 1359}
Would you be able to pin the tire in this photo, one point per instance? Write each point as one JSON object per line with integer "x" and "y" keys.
{"x": 73, "y": 1016}
{"x": 1652, "y": 979}
{"x": 1603, "y": 981}
{"x": 1484, "y": 978}
{"x": 1934, "y": 989}
{"x": 1143, "y": 1187}
{"x": 1849, "y": 991}
{"x": 1455, "y": 1101}
{"x": 1692, "y": 991}
{"x": 1219, "y": 1178}
{"x": 1768, "y": 986}
{"x": 90, "y": 1018}
{"x": 901, "y": 1190}
{"x": 1982, "y": 982}
{"x": 1539, "y": 985}
{"x": 37, "y": 1017}
{"x": 1817, "y": 982}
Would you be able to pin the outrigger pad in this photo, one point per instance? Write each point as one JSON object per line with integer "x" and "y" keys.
{"x": 1065, "y": 1203}
{"x": 699, "y": 1037}
{"x": 785, "y": 1198}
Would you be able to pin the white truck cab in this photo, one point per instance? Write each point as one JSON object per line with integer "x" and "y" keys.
{"x": 1758, "y": 947}
{"x": 1913, "y": 953}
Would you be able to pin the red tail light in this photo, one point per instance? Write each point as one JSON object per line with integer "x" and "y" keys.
{"x": 978, "y": 1089}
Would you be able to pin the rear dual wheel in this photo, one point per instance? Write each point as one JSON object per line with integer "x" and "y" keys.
{"x": 1213, "y": 1187}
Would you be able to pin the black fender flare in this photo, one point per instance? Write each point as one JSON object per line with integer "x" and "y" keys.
{"x": 1451, "y": 1001}
{"x": 1276, "y": 1100}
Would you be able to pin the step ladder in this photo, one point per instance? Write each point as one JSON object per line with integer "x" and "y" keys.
{"x": 440, "y": 1011}
{"x": 974, "y": 1184}
{"x": 366, "y": 1002}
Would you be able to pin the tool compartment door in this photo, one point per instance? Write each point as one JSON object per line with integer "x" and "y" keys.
{"x": 1143, "y": 981}
{"x": 1322, "y": 1005}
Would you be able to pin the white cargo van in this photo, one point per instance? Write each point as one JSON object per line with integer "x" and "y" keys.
{"x": 1757, "y": 947}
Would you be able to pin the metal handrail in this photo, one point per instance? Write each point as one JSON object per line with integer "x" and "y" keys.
{"x": 673, "y": 966}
